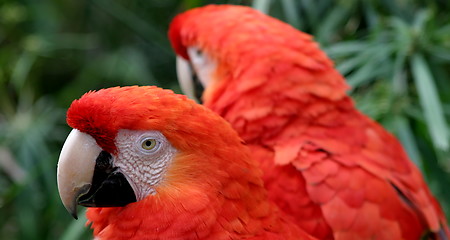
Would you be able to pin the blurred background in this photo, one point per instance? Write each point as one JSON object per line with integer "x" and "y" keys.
{"x": 394, "y": 53}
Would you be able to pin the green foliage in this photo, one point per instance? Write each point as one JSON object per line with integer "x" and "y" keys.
{"x": 395, "y": 55}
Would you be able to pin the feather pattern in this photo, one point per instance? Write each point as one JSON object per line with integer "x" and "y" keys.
{"x": 211, "y": 190}
{"x": 336, "y": 172}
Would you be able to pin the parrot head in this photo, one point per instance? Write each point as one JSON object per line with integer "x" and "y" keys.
{"x": 238, "y": 50}
{"x": 134, "y": 143}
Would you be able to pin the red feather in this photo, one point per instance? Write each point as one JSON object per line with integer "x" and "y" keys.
{"x": 339, "y": 174}
{"x": 212, "y": 188}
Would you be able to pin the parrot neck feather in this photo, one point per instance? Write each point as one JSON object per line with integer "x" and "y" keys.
{"x": 228, "y": 203}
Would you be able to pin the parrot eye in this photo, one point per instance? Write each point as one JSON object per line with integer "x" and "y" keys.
{"x": 149, "y": 144}
{"x": 198, "y": 52}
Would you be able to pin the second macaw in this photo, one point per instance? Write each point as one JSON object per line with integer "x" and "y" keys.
{"x": 337, "y": 173}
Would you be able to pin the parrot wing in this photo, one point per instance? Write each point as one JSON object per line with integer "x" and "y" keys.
{"x": 362, "y": 180}
{"x": 337, "y": 173}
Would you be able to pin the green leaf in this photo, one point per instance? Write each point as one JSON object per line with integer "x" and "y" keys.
{"x": 420, "y": 20}
{"x": 366, "y": 65}
{"x": 331, "y": 21}
{"x": 347, "y": 48}
{"x": 364, "y": 74}
{"x": 399, "y": 83}
{"x": 22, "y": 69}
{"x": 402, "y": 32}
{"x": 439, "y": 52}
{"x": 406, "y": 136}
{"x": 311, "y": 10}
{"x": 290, "y": 10}
{"x": 430, "y": 102}
{"x": 145, "y": 29}
{"x": 370, "y": 15}
{"x": 262, "y": 5}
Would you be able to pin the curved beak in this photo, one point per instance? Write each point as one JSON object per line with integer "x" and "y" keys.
{"x": 184, "y": 74}
{"x": 87, "y": 176}
{"x": 76, "y": 168}
{"x": 187, "y": 78}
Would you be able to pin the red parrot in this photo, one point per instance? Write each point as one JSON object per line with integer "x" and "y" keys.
{"x": 149, "y": 165}
{"x": 336, "y": 172}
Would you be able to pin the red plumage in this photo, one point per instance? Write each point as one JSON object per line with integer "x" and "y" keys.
{"x": 336, "y": 172}
{"x": 212, "y": 189}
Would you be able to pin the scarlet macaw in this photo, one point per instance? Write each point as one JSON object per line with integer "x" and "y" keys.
{"x": 336, "y": 172}
{"x": 148, "y": 164}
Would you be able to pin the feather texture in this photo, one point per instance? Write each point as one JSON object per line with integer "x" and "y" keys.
{"x": 211, "y": 190}
{"x": 339, "y": 174}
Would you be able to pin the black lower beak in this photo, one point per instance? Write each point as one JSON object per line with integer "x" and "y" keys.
{"x": 198, "y": 87}
{"x": 109, "y": 186}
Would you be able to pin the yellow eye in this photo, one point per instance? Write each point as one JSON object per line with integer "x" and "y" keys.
{"x": 149, "y": 144}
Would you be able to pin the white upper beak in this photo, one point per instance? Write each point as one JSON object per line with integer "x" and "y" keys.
{"x": 184, "y": 74}
{"x": 76, "y": 168}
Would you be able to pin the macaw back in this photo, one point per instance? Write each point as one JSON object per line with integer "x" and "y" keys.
{"x": 336, "y": 172}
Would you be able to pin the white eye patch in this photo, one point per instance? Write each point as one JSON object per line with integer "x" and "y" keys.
{"x": 203, "y": 65}
{"x": 143, "y": 157}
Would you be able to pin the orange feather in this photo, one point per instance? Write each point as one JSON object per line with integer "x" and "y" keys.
{"x": 339, "y": 174}
{"x": 212, "y": 189}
